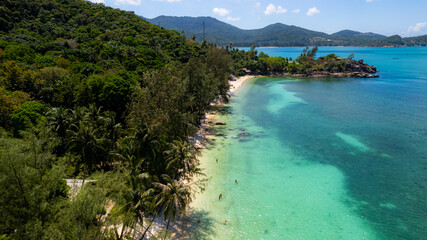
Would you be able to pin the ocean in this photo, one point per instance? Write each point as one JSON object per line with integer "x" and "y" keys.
{"x": 321, "y": 158}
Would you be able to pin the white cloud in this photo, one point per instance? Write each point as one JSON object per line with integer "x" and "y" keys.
{"x": 221, "y": 11}
{"x": 272, "y": 9}
{"x": 296, "y": 11}
{"x": 167, "y": 0}
{"x": 230, "y": 18}
{"x": 417, "y": 27}
{"x": 313, "y": 11}
{"x": 257, "y": 5}
{"x": 97, "y": 1}
{"x": 131, "y": 2}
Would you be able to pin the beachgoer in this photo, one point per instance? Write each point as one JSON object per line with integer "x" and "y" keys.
{"x": 198, "y": 221}
{"x": 220, "y": 196}
{"x": 225, "y": 222}
{"x": 235, "y": 181}
{"x": 217, "y": 160}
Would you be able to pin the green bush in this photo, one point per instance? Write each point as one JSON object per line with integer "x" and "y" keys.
{"x": 28, "y": 114}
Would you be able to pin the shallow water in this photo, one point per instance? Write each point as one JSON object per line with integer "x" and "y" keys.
{"x": 324, "y": 159}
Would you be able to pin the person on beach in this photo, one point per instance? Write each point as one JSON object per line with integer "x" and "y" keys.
{"x": 220, "y": 196}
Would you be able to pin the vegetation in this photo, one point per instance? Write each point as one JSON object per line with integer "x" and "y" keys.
{"x": 101, "y": 95}
{"x": 95, "y": 93}
{"x": 279, "y": 35}
{"x": 306, "y": 64}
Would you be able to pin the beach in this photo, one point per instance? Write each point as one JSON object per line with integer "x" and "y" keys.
{"x": 314, "y": 161}
{"x": 199, "y": 139}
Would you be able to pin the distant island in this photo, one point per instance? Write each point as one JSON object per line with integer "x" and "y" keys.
{"x": 306, "y": 65}
{"x": 277, "y": 35}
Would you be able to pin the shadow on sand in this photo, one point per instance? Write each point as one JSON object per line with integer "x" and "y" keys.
{"x": 194, "y": 225}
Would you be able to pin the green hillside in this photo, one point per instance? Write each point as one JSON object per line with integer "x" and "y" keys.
{"x": 357, "y": 35}
{"x": 92, "y": 92}
{"x": 278, "y": 35}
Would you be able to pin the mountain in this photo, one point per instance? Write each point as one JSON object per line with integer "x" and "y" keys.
{"x": 358, "y": 35}
{"x": 222, "y": 33}
{"x": 278, "y": 34}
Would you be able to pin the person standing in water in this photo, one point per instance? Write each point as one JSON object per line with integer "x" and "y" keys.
{"x": 220, "y": 196}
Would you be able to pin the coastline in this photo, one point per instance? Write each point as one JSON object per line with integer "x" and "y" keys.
{"x": 200, "y": 138}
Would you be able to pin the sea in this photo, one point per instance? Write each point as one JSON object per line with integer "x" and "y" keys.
{"x": 320, "y": 158}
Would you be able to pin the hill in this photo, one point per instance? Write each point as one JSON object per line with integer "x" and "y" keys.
{"x": 278, "y": 35}
{"x": 92, "y": 92}
{"x": 357, "y": 35}
{"x": 222, "y": 33}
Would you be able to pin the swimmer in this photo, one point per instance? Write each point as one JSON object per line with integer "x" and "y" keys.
{"x": 225, "y": 222}
{"x": 217, "y": 160}
{"x": 235, "y": 181}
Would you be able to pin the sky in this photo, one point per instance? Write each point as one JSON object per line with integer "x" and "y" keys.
{"x": 387, "y": 17}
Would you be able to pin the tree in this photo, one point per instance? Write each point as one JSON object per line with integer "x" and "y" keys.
{"x": 31, "y": 186}
{"x": 181, "y": 160}
{"x": 172, "y": 199}
{"x": 276, "y": 64}
{"x": 29, "y": 114}
{"x": 312, "y": 53}
{"x": 9, "y": 102}
{"x": 110, "y": 91}
{"x": 15, "y": 77}
{"x": 262, "y": 55}
{"x": 350, "y": 57}
{"x": 88, "y": 143}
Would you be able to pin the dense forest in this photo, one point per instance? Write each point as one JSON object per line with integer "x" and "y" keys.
{"x": 278, "y": 35}
{"x": 98, "y": 94}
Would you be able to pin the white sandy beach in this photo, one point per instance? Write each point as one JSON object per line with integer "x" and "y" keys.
{"x": 199, "y": 138}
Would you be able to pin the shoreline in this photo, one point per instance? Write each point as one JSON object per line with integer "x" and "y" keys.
{"x": 180, "y": 228}
{"x": 200, "y": 138}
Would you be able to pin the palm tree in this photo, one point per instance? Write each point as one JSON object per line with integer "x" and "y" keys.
{"x": 172, "y": 199}
{"x": 181, "y": 159}
{"x": 139, "y": 202}
{"x": 59, "y": 120}
{"x": 88, "y": 143}
{"x": 78, "y": 116}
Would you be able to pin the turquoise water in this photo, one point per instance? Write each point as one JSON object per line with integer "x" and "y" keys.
{"x": 323, "y": 159}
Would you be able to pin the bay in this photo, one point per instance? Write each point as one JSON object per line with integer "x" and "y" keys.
{"x": 324, "y": 158}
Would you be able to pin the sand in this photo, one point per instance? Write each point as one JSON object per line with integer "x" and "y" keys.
{"x": 200, "y": 138}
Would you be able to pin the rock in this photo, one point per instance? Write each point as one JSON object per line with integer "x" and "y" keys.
{"x": 220, "y": 134}
{"x": 220, "y": 123}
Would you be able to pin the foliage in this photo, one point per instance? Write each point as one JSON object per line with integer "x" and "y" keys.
{"x": 9, "y": 102}
{"x": 30, "y": 184}
{"x": 27, "y": 115}
{"x": 114, "y": 99}
{"x": 278, "y": 35}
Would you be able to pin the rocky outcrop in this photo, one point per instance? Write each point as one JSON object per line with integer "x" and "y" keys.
{"x": 360, "y": 67}
{"x": 349, "y": 69}
{"x": 325, "y": 74}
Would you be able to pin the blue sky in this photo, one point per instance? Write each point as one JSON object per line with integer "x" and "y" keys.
{"x": 388, "y": 17}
